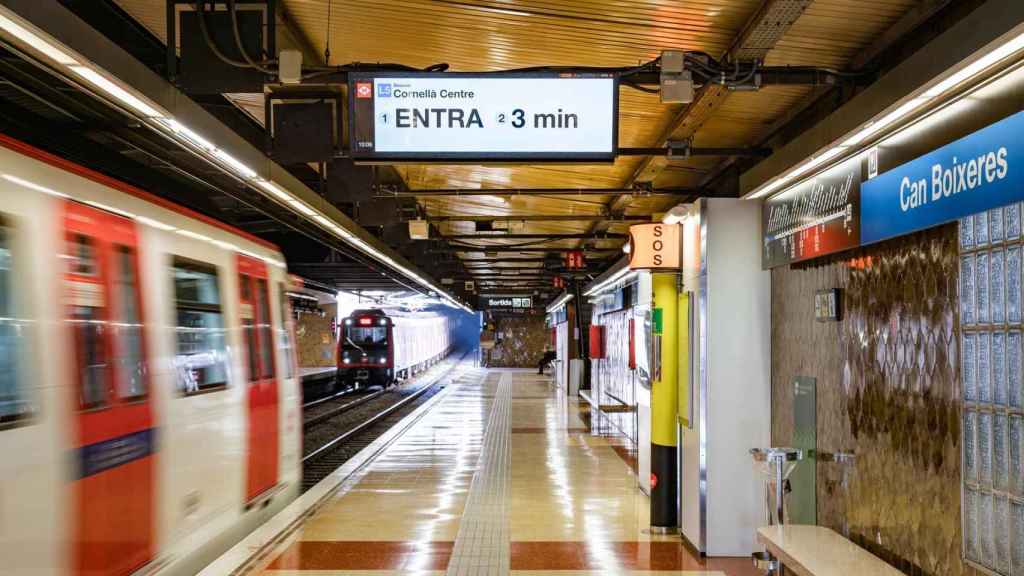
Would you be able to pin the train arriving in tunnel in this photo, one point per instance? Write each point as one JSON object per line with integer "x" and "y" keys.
{"x": 376, "y": 348}
{"x": 149, "y": 404}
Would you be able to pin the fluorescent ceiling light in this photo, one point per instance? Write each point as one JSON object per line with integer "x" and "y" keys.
{"x": 322, "y": 221}
{"x": 976, "y": 67}
{"x": 621, "y": 274}
{"x": 120, "y": 94}
{"x": 235, "y": 163}
{"x": 188, "y": 134}
{"x": 306, "y": 210}
{"x": 900, "y": 114}
{"x": 33, "y": 186}
{"x": 274, "y": 190}
{"x": 37, "y": 43}
{"x": 886, "y": 121}
{"x": 559, "y": 303}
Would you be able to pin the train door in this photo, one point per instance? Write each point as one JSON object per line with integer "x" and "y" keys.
{"x": 113, "y": 458}
{"x": 262, "y": 401}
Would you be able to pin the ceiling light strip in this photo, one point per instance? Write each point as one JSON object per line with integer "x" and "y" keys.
{"x": 900, "y": 115}
{"x": 47, "y": 46}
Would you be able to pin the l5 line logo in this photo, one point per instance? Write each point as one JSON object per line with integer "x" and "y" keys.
{"x": 383, "y": 90}
{"x": 364, "y": 89}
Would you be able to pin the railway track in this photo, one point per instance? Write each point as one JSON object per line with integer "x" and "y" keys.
{"x": 336, "y": 430}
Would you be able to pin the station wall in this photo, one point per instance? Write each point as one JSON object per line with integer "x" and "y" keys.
{"x": 315, "y": 340}
{"x": 522, "y": 342}
{"x": 887, "y": 388}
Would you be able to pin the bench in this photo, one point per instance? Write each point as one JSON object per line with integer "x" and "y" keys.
{"x": 819, "y": 551}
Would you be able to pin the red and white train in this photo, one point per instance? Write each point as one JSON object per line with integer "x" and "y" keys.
{"x": 376, "y": 348}
{"x": 149, "y": 405}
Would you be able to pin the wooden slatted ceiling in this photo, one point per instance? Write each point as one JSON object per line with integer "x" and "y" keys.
{"x": 504, "y": 34}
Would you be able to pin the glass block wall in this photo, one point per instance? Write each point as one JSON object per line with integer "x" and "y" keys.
{"x": 992, "y": 377}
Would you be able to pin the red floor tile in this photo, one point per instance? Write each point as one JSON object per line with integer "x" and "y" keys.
{"x": 609, "y": 556}
{"x": 329, "y": 555}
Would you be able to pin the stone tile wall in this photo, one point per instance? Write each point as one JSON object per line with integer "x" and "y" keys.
{"x": 315, "y": 343}
{"x": 522, "y": 342}
{"x": 888, "y": 389}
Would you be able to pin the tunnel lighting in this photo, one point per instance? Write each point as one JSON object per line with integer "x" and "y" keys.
{"x": 235, "y": 163}
{"x": 34, "y": 186}
{"x": 36, "y": 42}
{"x": 890, "y": 119}
{"x": 112, "y": 89}
{"x": 900, "y": 114}
{"x": 976, "y": 67}
{"x": 125, "y": 95}
{"x": 302, "y": 208}
{"x": 274, "y": 190}
{"x": 189, "y": 135}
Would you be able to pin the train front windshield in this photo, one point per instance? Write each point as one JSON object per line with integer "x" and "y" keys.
{"x": 367, "y": 335}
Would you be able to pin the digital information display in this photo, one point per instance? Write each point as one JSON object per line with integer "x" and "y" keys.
{"x": 453, "y": 116}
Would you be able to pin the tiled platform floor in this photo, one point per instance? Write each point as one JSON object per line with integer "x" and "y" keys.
{"x": 501, "y": 475}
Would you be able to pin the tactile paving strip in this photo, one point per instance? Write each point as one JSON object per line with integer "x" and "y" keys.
{"x": 482, "y": 545}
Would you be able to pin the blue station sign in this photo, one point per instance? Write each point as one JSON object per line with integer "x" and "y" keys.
{"x": 975, "y": 173}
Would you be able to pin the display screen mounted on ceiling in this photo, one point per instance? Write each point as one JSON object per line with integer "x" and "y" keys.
{"x": 445, "y": 116}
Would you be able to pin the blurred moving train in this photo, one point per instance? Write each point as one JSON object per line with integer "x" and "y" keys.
{"x": 149, "y": 405}
{"x": 376, "y": 349}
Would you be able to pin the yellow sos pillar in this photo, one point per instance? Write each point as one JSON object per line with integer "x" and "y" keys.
{"x": 657, "y": 247}
{"x": 664, "y": 398}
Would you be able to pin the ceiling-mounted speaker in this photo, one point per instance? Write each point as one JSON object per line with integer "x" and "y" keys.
{"x": 209, "y": 60}
{"x": 302, "y": 132}
{"x": 304, "y": 122}
{"x": 379, "y": 212}
{"x": 348, "y": 182}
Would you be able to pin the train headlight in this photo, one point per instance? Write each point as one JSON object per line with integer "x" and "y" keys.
{"x": 383, "y": 321}
{"x": 345, "y": 360}
{"x": 348, "y": 321}
{"x": 383, "y": 360}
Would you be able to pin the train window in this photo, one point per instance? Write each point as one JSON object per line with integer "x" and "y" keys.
{"x": 285, "y": 332}
{"x": 89, "y": 323}
{"x": 266, "y": 335}
{"x": 361, "y": 335}
{"x": 201, "y": 357}
{"x": 249, "y": 328}
{"x": 14, "y": 404}
{"x": 131, "y": 367}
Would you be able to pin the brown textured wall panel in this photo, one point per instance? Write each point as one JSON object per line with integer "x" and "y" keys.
{"x": 888, "y": 390}
{"x": 522, "y": 342}
{"x": 315, "y": 341}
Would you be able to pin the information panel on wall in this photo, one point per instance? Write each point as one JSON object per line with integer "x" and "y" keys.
{"x": 447, "y": 116}
{"x": 819, "y": 217}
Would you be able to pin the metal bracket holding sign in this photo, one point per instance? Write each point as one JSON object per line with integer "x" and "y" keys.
{"x": 449, "y": 116}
